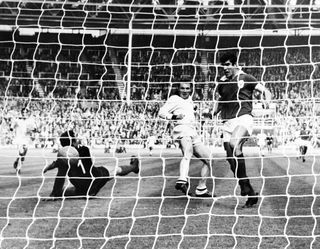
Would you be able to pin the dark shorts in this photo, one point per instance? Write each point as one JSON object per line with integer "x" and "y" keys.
{"x": 91, "y": 184}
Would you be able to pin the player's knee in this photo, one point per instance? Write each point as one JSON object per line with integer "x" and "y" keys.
{"x": 234, "y": 144}
{"x": 236, "y": 148}
{"x": 186, "y": 158}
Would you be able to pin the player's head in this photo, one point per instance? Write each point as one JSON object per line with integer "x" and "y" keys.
{"x": 229, "y": 63}
{"x": 185, "y": 89}
{"x": 24, "y": 112}
{"x": 68, "y": 138}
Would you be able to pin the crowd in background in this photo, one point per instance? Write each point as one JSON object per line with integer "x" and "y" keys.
{"x": 85, "y": 90}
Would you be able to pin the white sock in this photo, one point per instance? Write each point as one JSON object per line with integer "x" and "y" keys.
{"x": 200, "y": 191}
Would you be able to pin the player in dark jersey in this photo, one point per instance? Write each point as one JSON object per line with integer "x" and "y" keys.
{"x": 304, "y": 141}
{"x": 236, "y": 90}
{"x": 85, "y": 177}
{"x": 269, "y": 139}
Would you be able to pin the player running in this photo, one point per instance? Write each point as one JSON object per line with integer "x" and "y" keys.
{"x": 261, "y": 141}
{"x": 179, "y": 108}
{"x": 236, "y": 90}
{"x": 24, "y": 127}
{"x": 269, "y": 140}
{"x": 151, "y": 141}
{"x": 85, "y": 177}
{"x": 304, "y": 141}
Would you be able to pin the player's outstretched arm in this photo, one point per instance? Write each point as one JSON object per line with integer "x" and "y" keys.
{"x": 50, "y": 167}
{"x": 57, "y": 189}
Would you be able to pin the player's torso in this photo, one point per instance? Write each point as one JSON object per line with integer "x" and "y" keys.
{"x": 236, "y": 95}
{"x": 22, "y": 127}
{"x": 238, "y": 88}
{"x": 185, "y": 107}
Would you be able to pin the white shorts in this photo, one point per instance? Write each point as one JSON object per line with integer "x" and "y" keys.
{"x": 229, "y": 126}
{"x": 181, "y": 131}
{"x": 20, "y": 141}
{"x": 302, "y": 142}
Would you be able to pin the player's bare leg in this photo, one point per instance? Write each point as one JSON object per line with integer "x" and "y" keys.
{"x": 238, "y": 138}
{"x": 203, "y": 153}
{"x": 186, "y": 147}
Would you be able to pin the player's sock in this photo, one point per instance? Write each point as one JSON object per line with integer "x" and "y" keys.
{"x": 184, "y": 168}
{"x": 247, "y": 190}
{"x": 240, "y": 167}
{"x": 230, "y": 158}
{"x": 183, "y": 186}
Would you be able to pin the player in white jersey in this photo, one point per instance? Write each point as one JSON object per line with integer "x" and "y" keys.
{"x": 151, "y": 141}
{"x": 261, "y": 141}
{"x": 24, "y": 126}
{"x": 180, "y": 109}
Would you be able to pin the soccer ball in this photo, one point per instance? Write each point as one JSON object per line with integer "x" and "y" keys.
{"x": 69, "y": 154}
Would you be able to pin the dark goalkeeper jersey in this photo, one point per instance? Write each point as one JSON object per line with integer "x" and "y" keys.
{"x": 85, "y": 157}
{"x": 236, "y": 95}
{"x": 81, "y": 174}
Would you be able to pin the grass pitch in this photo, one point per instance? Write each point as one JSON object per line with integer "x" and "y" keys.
{"x": 145, "y": 211}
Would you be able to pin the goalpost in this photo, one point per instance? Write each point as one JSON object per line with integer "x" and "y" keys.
{"x": 104, "y": 68}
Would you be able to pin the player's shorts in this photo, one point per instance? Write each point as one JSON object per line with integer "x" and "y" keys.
{"x": 302, "y": 142}
{"x": 181, "y": 131}
{"x": 21, "y": 141}
{"x": 229, "y": 126}
{"x": 82, "y": 183}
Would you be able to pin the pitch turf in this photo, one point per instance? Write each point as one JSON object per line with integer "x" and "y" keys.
{"x": 145, "y": 211}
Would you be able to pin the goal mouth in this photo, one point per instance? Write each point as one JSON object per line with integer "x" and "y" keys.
{"x": 104, "y": 70}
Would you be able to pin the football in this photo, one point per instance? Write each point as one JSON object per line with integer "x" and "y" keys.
{"x": 70, "y": 154}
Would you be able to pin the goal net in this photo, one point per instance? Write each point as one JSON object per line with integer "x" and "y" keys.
{"x": 103, "y": 68}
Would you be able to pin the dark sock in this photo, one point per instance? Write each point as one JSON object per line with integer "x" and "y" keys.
{"x": 230, "y": 158}
{"x": 241, "y": 167}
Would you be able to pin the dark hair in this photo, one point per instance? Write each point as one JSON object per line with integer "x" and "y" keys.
{"x": 67, "y": 138}
{"x": 24, "y": 109}
{"x": 229, "y": 56}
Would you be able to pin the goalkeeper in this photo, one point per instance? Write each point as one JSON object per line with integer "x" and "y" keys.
{"x": 84, "y": 176}
{"x": 180, "y": 109}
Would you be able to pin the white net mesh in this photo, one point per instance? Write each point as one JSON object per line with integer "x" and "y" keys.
{"x": 103, "y": 69}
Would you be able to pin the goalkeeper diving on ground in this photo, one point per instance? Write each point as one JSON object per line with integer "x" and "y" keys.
{"x": 74, "y": 160}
